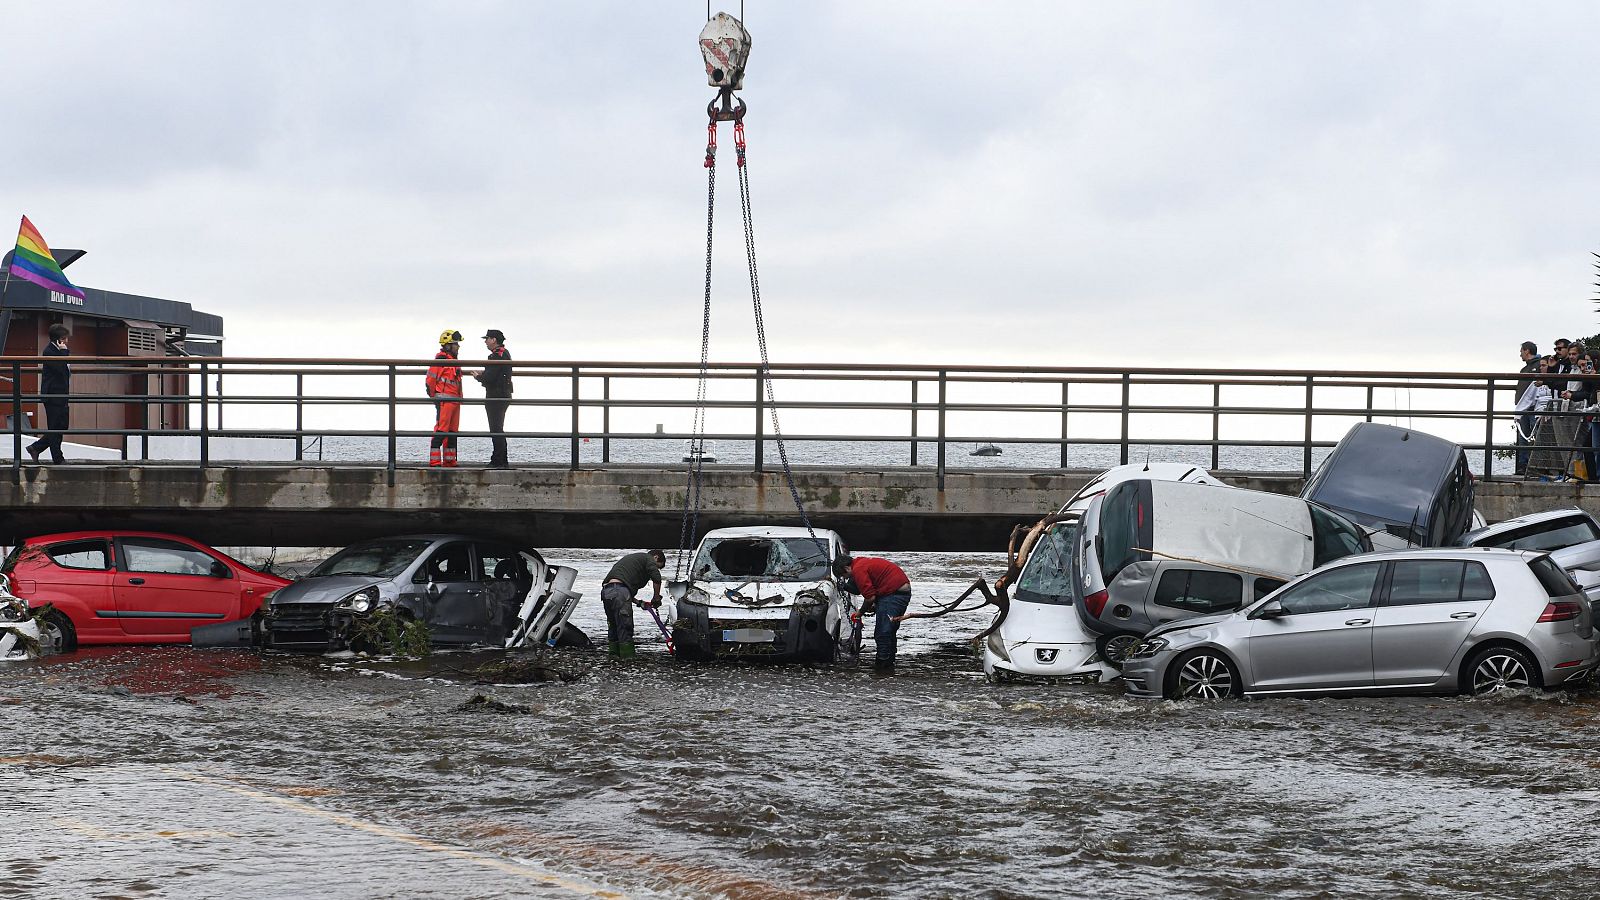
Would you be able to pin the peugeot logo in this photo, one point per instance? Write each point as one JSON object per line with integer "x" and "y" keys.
{"x": 1046, "y": 656}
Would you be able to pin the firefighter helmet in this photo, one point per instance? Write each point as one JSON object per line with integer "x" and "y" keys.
{"x": 449, "y": 336}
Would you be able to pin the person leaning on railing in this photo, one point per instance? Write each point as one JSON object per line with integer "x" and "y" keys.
{"x": 1525, "y": 420}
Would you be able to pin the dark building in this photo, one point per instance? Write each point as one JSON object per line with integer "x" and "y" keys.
{"x": 105, "y": 323}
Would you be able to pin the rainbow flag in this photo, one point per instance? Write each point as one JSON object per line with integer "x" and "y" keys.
{"x": 32, "y": 262}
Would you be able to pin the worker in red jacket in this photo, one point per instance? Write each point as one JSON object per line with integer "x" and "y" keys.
{"x": 444, "y": 387}
{"x": 887, "y": 593}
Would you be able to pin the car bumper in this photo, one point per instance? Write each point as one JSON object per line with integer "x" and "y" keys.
{"x": 1065, "y": 663}
{"x": 305, "y": 627}
{"x": 802, "y": 636}
{"x": 1566, "y": 659}
{"x": 1146, "y": 677}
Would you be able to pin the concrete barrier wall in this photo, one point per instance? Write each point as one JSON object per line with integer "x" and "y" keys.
{"x": 619, "y": 506}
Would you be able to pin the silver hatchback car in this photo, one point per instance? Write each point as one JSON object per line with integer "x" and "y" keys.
{"x": 1429, "y": 621}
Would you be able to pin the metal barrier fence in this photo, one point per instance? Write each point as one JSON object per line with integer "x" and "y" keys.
{"x": 920, "y": 418}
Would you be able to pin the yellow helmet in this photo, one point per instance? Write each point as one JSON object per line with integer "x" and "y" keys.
{"x": 449, "y": 336}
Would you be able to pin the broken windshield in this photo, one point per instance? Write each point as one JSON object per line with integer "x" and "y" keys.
{"x": 747, "y": 559}
{"x": 379, "y": 559}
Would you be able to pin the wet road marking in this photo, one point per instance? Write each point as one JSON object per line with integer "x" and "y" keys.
{"x": 89, "y": 829}
{"x": 395, "y": 834}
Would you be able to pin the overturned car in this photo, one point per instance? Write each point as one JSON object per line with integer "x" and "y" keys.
{"x": 465, "y": 590}
{"x": 765, "y": 593}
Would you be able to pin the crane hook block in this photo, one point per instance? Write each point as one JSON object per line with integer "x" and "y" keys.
{"x": 726, "y": 46}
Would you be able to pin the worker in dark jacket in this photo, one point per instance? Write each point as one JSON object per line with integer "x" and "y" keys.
{"x": 55, "y": 383}
{"x": 887, "y": 593}
{"x": 626, "y": 578}
{"x": 496, "y": 381}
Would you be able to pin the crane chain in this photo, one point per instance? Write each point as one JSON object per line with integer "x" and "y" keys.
{"x": 761, "y": 327}
{"x": 692, "y": 500}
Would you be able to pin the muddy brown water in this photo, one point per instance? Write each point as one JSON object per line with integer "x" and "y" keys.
{"x": 143, "y": 772}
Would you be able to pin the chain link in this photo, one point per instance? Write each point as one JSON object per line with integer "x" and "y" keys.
{"x": 692, "y": 498}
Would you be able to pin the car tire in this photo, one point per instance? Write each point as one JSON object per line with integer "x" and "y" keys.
{"x": 1499, "y": 668}
{"x": 1114, "y": 648}
{"x": 573, "y": 638}
{"x": 1203, "y": 675}
{"x": 56, "y": 634}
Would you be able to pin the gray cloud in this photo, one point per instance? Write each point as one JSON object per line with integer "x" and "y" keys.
{"x": 1252, "y": 183}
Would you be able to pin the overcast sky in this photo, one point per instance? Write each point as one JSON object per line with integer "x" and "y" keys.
{"x": 1397, "y": 185}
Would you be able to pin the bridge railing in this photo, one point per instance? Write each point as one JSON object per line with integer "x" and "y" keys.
{"x": 872, "y": 415}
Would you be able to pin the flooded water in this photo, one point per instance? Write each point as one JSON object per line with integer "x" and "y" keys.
{"x": 145, "y": 772}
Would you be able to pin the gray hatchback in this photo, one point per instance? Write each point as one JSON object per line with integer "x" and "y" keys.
{"x": 1428, "y": 621}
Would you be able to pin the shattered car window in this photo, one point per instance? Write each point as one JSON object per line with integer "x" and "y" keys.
{"x": 379, "y": 559}
{"x": 762, "y": 559}
{"x": 1046, "y": 578}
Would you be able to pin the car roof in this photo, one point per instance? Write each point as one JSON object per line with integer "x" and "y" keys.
{"x": 769, "y": 531}
{"x": 1478, "y": 553}
{"x": 1529, "y": 519}
{"x": 105, "y": 535}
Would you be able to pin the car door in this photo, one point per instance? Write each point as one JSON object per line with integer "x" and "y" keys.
{"x": 1324, "y": 638}
{"x": 78, "y": 582}
{"x": 164, "y": 587}
{"x": 506, "y": 581}
{"x": 458, "y": 597}
{"x": 1428, "y": 608}
{"x": 1182, "y": 591}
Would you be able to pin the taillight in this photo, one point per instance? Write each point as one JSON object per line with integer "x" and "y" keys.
{"x": 1559, "y": 611}
{"x": 1095, "y": 603}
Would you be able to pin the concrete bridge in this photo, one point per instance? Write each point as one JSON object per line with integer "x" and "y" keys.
{"x": 558, "y": 506}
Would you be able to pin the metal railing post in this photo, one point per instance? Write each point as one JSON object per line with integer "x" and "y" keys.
{"x": 300, "y": 411}
{"x": 394, "y": 442}
{"x": 574, "y": 417}
{"x": 1216, "y": 427}
{"x": 144, "y": 413}
{"x": 1488, "y": 435}
{"x": 605, "y": 420}
{"x": 1305, "y": 468}
{"x": 1127, "y": 391}
{"x": 1064, "y": 414}
{"x": 220, "y": 426}
{"x": 915, "y": 415}
{"x": 943, "y": 384}
{"x": 761, "y": 430}
{"x": 205, "y": 419}
{"x": 1369, "y": 403}
{"x": 16, "y": 423}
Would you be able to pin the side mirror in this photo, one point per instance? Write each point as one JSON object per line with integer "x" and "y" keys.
{"x": 1270, "y": 610}
{"x": 219, "y": 570}
{"x": 433, "y": 589}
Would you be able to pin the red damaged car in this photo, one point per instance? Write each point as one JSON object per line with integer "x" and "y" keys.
{"x": 131, "y": 587}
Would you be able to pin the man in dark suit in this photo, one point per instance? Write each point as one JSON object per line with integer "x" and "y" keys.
{"x": 55, "y": 381}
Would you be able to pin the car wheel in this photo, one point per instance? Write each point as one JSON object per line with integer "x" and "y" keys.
{"x": 573, "y": 637}
{"x": 56, "y": 634}
{"x": 1499, "y": 669}
{"x": 1204, "y": 675}
{"x": 1114, "y": 648}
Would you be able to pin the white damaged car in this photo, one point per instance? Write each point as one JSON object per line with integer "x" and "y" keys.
{"x": 1041, "y": 635}
{"x": 765, "y": 593}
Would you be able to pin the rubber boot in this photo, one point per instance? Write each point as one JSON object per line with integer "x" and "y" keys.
{"x": 624, "y": 651}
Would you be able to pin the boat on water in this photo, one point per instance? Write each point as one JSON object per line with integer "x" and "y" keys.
{"x": 986, "y": 450}
{"x": 699, "y": 454}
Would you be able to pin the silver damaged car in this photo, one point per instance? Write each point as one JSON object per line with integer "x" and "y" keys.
{"x": 1425, "y": 621}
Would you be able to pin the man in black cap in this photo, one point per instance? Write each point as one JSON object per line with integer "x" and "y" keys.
{"x": 496, "y": 381}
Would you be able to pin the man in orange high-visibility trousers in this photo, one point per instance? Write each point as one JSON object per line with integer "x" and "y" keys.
{"x": 444, "y": 386}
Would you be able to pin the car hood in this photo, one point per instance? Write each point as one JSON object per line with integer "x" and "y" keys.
{"x": 753, "y": 595}
{"x": 325, "y": 588}
{"x": 1196, "y": 622}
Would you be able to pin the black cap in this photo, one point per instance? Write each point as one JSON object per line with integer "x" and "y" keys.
{"x": 497, "y": 334}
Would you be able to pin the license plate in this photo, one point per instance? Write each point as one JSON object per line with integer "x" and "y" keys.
{"x": 749, "y": 635}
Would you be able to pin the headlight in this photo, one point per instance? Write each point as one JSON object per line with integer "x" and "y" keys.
{"x": 997, "y": 646}
{"x": 361, "y": 601}
{"x": 1147, "y": 648}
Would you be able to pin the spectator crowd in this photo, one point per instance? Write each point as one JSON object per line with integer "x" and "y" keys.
{"x": 1542, "y": 399}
